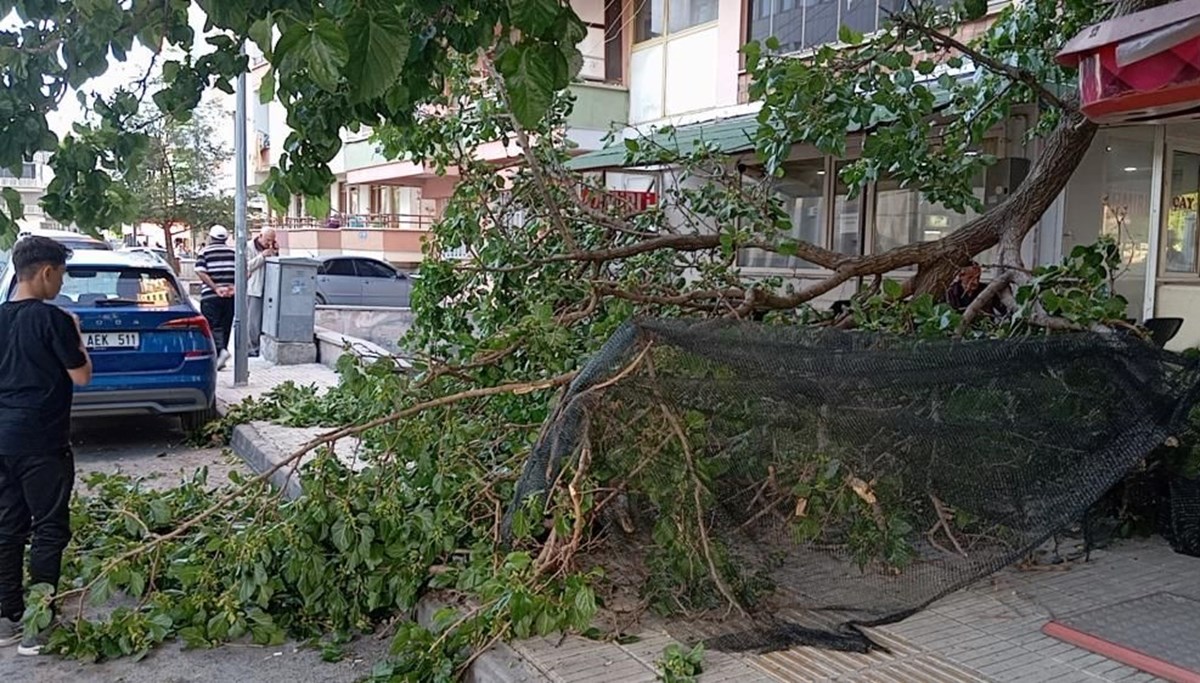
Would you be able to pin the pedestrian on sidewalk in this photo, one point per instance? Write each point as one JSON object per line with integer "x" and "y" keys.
{"x": 215, "y": 266}
{"x": 42, "y": 359}
{"x": 261, "y": 248}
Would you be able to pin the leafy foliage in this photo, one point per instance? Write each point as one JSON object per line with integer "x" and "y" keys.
{"x": 929, "y": 97}
{"x": 178, "y": 182}
{"x": 334, "y": 65}
{"x": 354, "y": 550}
{"x": 681, "y": 666}
{"x": 1080, "y": 292}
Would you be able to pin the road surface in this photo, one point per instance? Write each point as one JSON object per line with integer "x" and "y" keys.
{"x": 156, "y": 449}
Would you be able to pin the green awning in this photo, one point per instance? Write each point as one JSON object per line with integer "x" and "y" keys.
{"x": 730, "y": 136}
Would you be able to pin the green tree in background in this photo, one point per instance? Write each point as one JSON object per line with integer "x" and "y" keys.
{"x": 334, "y": 65}
{"x": 180, "y": 178}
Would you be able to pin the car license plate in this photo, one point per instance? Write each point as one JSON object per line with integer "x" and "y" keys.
{"x": 111, "y": 340}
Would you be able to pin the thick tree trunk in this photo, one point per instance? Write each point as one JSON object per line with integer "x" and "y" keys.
{"x": 1009, "y": 223}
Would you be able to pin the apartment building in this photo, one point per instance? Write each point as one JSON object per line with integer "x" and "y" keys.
{"x": 384, "y": 208}
{"x": 655, "y": 62}
{"x": 31, "y": 182}
{"x": 1138, "y": 183}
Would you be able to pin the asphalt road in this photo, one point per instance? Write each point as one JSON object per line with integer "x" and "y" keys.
{"x": 156, "y": 450}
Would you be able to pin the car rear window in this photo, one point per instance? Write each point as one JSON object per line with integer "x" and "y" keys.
{"x": 143, "y": 287}
{"x": 85, "y": 245}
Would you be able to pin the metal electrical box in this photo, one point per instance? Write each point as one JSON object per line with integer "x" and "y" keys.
{"x": 289, "y": 298}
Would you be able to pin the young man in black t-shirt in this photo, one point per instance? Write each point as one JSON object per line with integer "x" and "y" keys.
{"x": 42, "y": 358}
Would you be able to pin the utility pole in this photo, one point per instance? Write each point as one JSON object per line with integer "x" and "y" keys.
{"x": 241, "y": 344}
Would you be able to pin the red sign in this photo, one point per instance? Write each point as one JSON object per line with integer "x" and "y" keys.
{"x": 629, "y": 200}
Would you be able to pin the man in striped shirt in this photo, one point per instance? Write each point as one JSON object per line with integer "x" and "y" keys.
{"x": 215, "y": 267}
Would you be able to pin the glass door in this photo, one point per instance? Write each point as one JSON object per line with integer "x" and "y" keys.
{"x": 1180, "y": 240}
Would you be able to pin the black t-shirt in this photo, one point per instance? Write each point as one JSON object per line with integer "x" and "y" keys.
{"x": 38, "y": 344}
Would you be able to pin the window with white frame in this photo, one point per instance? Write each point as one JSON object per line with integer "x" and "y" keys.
{"x": 658, "y": 18}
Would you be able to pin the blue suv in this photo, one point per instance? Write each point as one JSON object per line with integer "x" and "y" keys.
{"x": 152, "y": 351}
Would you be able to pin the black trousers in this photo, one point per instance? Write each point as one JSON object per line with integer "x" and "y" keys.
{"x": 219, "y": 313}
{"x": 35, "y": 495}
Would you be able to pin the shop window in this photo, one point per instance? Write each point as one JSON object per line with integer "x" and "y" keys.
{"x": 802, "y": 191}
{"x": 847, "y": 215}
{"x": 1180, "y": 237}
{"x": 803, "y": 24}
{"x": 904, "y": 216}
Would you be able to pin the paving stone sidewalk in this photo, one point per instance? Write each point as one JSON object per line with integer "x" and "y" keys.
{"x": 990, "y": 632}
{"x": 264, "y": 376}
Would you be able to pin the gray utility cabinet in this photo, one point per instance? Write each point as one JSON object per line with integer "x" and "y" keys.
{"x": 289, "y": 297}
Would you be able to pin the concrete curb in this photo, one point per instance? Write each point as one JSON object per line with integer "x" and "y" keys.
{"x": 500, "y": 664}
{"x": 261, "y": 455}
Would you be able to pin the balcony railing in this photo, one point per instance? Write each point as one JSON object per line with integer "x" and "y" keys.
{"x": 9, "y": 181}
{"x": 357, "y": 221}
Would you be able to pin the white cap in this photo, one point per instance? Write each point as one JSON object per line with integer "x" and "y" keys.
{"x": 219, "y": 233}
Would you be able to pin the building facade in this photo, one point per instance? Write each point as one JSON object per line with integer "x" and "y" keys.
{"x": 31, "y": 183}
{"x": 384, "y": 208}
{"x": 651, "y": 63}
{"x": 1138, "y": 184}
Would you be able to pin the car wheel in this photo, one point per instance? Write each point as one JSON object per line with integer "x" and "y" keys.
{"x": 320, "y": 300}
{"x": 198, "y": 419}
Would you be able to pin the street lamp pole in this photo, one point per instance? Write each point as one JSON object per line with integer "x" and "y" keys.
{"x": 241, "y": 345}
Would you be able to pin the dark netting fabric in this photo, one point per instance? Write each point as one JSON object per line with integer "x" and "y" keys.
{"x": 845, "y": 479}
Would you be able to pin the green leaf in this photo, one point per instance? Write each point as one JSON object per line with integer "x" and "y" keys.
{"x": 261, "y": 34}
{"x": 529, "y": 75}
{"x": 535, "y": 17}
{"x": 137, "y": 584}
{"x": 893, "y": 289}
{"x": 318, "y": 206}
{"x": 318, "y": 48}
{"x": 585, "y": 601}
{"x": 266, "y": 90}
{"x": 340, "y": 535}
{"x": 339, "y": 8}
{"x": 849, "y": 36}
{"x": 787, "y": 248}
{"x": 378, "y": 43}
{"x": 12, "y": 200}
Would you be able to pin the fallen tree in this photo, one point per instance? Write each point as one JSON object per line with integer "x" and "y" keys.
{"x": 551, "y": 274}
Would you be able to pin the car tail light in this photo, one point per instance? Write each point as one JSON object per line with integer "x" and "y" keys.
{"x": 197, "y": 322}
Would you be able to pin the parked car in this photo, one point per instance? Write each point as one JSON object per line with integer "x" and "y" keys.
{"x": 75, "y": 241}
{"x": 153, "y": 252}
{"x": 152, "y": 351}
{"x": 361, "y": 281}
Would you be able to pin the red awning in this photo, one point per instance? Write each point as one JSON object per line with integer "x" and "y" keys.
{"x": 1142, "y": 67}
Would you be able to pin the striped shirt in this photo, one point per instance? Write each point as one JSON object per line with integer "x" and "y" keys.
{"x": 218, "y": 261}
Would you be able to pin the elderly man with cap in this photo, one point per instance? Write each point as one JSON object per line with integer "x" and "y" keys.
{"x": 261, "y": 248}
{"x": 215, "y": 266}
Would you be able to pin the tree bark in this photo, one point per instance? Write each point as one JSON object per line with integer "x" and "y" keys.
{"x": 1009, "y": 223}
